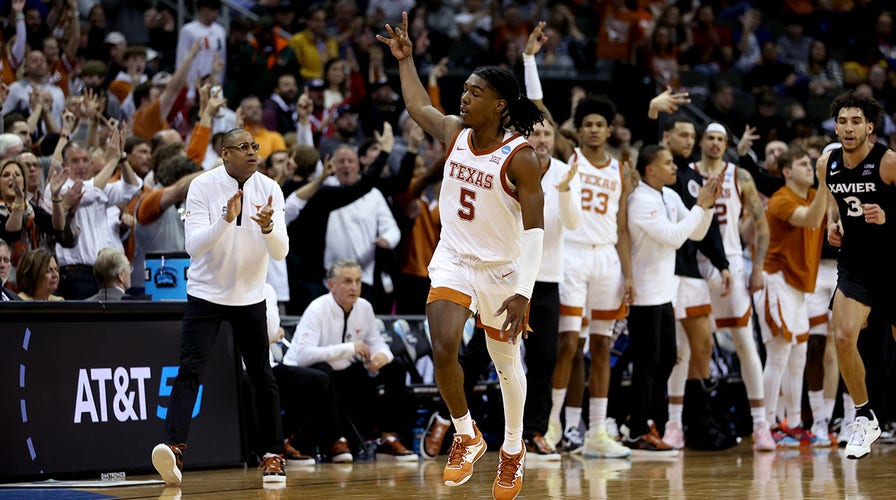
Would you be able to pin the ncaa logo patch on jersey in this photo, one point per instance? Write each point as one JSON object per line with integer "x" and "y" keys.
{"x": 505, "y": 150}
{"x": 833, "y": 165}
{"x": 693, "y": 187}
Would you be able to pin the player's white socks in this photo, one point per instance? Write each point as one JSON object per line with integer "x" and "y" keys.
{"x": 573, "y": 416}
{"x": 675, "y": 412}
{"x": 597, "y": 412}
{"x": 558, "y": 396}
{"x": 816, "y": 404}
{"x": 464, "y": 425}
{"x": 849, "y": 409}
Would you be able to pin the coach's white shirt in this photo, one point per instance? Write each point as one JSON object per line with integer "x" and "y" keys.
{"x": 327, "y": 334}
{"x": 562, "y": 211}
{"x": 353, "y": 229}
{"x": 229, "y": 261}
{"x": 659, "y": 224}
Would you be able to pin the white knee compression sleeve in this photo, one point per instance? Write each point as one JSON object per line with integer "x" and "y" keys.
{"x": 679, "y": 374}
{"x": 777, "y": 350}
{"x": 509, "y": 366}
{"x": 750, "y": 366}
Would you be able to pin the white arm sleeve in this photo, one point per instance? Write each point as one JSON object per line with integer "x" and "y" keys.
{"x": 530, "y": 76}
{"x": 531, "y": 246}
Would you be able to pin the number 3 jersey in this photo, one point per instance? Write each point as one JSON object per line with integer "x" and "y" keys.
{"x": 866, "y": 246}
{"x": 479, "y": 206}
{"x": 601, "y": 191}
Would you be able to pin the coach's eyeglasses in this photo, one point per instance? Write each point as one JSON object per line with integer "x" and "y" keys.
{"x": 245, "y": 146}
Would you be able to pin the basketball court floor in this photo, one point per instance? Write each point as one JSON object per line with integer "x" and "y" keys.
{"x": 731, "y": 474}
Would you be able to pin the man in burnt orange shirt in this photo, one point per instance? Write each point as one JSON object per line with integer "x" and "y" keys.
{"x": 794, "y": 215}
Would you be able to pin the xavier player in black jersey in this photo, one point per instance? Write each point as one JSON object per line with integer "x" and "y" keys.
{"x": 861, "y": 177}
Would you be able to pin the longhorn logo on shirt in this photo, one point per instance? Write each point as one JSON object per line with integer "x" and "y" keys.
{"x": 257, "y": 207}
{"x": 693, "y": 188}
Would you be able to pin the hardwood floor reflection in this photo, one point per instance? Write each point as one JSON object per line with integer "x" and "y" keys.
{"x": 736, "y": 473}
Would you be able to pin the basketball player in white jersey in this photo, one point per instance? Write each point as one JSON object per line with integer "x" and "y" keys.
{"x": 562, "y": 213}
{"x": 596, "y": 272}
{"x": 488, "y": 257}
{"x": 734, "y": 311}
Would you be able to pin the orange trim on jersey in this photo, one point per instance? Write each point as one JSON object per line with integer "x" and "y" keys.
{"x": 453, "y": 141}
{"x": 605, "y": 165}
{"x": 449, "y": 294}
{"x": 492, "y": 150}
{"x": 571, "y": 311}
{"x": 735, "y": 322}
{"x": 770, "y": 322}
{"x": 800, "y": 337}
{"x": 818, "y": 320}
{"x": 507, "y": 189}
{"x": 584, "y": 322}
{"x": 697, "y": 311}
{"x": 605, "y": 314}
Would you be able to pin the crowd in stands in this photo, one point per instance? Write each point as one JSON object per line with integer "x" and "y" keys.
{"x": 110, "y": 110}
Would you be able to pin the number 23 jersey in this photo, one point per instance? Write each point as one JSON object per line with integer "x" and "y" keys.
{"x": 479, "y": 206}
{"x": 601, "y": 192}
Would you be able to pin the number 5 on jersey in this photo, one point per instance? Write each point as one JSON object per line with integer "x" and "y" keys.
{"x": 467, "y": 211}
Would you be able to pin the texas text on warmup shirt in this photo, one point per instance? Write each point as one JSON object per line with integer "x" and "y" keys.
{"x": 229, "y": 261}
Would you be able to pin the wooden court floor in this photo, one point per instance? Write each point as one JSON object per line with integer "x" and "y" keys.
{"x": 736, "y": 473}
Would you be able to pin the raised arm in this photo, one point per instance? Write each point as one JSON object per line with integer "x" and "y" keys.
{"x": 416, "y": 98}
{"x": 813, "y": 215}
{"x": 70, "y": 49}
{"x": 178, "y": 80}
{"x": 17, "y": 53}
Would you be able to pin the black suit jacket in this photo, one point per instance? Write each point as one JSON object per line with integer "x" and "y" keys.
{"x": 9, "y": 294}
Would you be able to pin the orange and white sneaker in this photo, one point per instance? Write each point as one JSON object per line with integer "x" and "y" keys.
{"x": 273, "y": 468}
{"x": 464, "y": 452}
{"x": 509, "y": 481}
